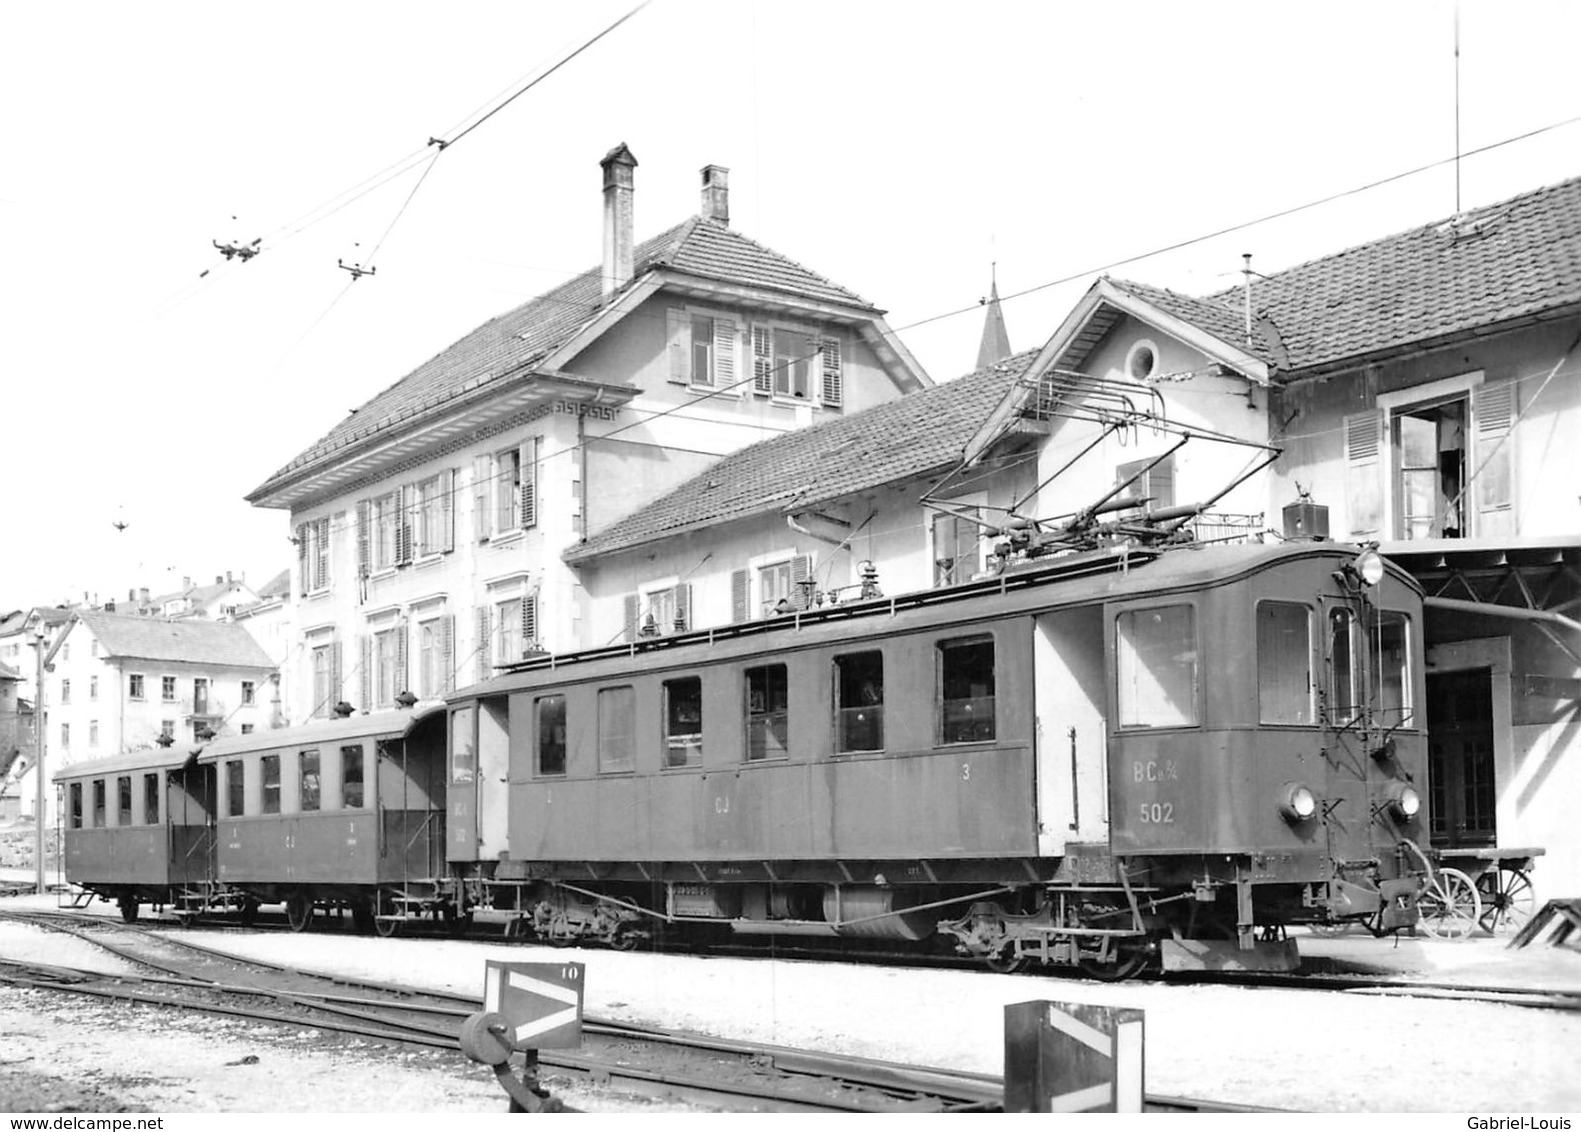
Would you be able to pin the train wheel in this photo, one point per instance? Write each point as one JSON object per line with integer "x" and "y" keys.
{"x": 1125, "y": 960}
{"x": 298, "y": 912}
{"x": 1508, "y": 900}
{"x": 387, "y": 925}
{"x": 248, "y": 912}
{"x": 1449, "y": 905}
{"x": 1007, "y": 961}
{"x": 128, "y": 906}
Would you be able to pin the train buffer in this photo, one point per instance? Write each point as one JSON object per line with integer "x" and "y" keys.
{"x": 1558, "y": 920}
{"x": 526, "y": 1007}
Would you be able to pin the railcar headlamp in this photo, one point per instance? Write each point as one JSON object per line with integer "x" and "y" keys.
{"x": 1299, "y": 804}
{"x": 1368, "y": 566}
{"x": 1403, "y": 801}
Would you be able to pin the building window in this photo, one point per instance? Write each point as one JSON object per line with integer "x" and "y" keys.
{"x": 1141, "y": 362}
{"x": 966, "y": 691}
{"x": 782, "y": 361}
{"x": 271, "y": 783}
{"x": 65, "y": 691}
{"x": 167, "y": 689}
{"x": 859, "y": 702}
{"x": 93, "y": 648}
{"x": 247, "y": 729}
{"x": 768, "y": 712}
{"x": 93, "y": 687}
{"x": 312, "y": 551}
{"x": 65, "y": 736}
{"x": 351, "y": 778}
{"x": 235, "y": 789}
{"x": 658, "y": 611}
{"x": 98, "y": 803}
{"x": 551, "y": 734}
{"x": 774, "y": 588}
{"x": 957, "y": 548}
{"x": 617, "y": 729}
{"x": 432, "y": 511}
{"x": 326, "y": 681}
{"x": 123, "y": 800}
{"x": 1150, "y": 482}
{"x": 249, "y": 693}
{"x": 134, "y": 686}
{"x": 384, "y": 521}
{"x": 1284, "y": 663}
{"x": 683, "y": 721}
{"x": 1156, "y": 667}
{"x": 151, "y": 799}
{"x": 200, "y": 695}
{"x": 167, "y": 728}
{"x": 93, "y": 733}
{"x": 516, "y": 628}
{"x": 65, "y": 652}
{"x": 433, "y": 657}
{"x": 389, "y": 664}
{"x": 702, "y": 349}
{"x": 307, "y": 778}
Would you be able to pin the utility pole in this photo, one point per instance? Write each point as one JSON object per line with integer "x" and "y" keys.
{"x": 38, "y": 762}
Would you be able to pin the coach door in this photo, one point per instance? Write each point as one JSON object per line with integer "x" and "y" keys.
{"x": 1071, "y": 730}
{"x": 461, "y": 809}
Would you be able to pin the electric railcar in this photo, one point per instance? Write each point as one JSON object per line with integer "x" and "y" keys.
{"x": 1092, "y": 761}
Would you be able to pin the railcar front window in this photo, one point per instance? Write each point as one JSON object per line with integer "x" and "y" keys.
{"x": 768, "y": 712}
{"x": 463, "y": 746}
{"x": 1284, "y": 663}
{"x": 233, "y": 789}
{"x": 966, "y": 691}
{"x": 351, "y": 778}
{"x": 683, "y": 721}
{"x": 123, "y": 800}
{"x": 1156, "y": 667}
{"x": 98, "y": 803}
{"x": 551, "y": 734}
{"x": 151, "y": 799}
{"x": 308, "y": 779}
{"x": 76, "y": 805}
{"x": 617, "y": 729}
{"x": 271, "y": 784}
{"x": 1389, "y": 667}
{"x": 1342, "y": 692}
{"x": 859, "y": 702}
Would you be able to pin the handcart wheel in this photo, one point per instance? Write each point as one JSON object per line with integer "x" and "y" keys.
{"x": 1508, "y": 900}
{"x": 1449, "y": 905}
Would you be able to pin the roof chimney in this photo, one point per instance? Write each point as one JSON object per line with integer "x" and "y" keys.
{"x": 619, "y": 248}
{"x": 142, "y": 594}
{"x": 716, "y": 193}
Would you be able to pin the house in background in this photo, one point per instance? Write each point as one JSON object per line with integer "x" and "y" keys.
{"x": 430, "y": 523}
{"x": 16, "y": 743}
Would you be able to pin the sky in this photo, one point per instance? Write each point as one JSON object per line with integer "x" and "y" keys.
{"x": 905, "y": 150}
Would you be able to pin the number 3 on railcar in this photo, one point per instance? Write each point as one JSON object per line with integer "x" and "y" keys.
{"x": 1095, "y": 761}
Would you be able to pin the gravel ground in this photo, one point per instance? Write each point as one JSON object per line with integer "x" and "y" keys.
{"x": 1314, "y": 1051}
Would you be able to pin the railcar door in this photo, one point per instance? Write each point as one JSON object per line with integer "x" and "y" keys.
{"x": 475, "y": 824}
{"x": 1071, "y": 730}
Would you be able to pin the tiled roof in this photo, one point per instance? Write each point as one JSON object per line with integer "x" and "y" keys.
{"x": 277, "y": 586}
{"x": 910, "y": 436}
{"x": 153, "y": 638}
{"x": 701, "y": 247}
{"x": 1510, "y": 260}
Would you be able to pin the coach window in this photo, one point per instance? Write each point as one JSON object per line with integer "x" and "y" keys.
{"x": 1155, "y": 659}
{"x": 271, "y": 784}
{"x": 151, "y": 799}
{"x": 1284, "y": 663}
{"x": 551, "y": 734}
{"x": 123, "y": 800}
{"x": 76, "y": 805}
{"x": 1342, "y": 692}
{"x": 617, "y": 729}
{"x": 307, "y": 779}
{"x": 768, "y": 712}
{"x": 683, "y": 721}
{"x": 1389, "y": 657}
{"x": 859, "y": 702}
{"x": 234, "y": 798}
{"x": 966, "y": 691}
{"x": 351, "y": 778}
{"x": 463, "y": 746}
{"x": 98, "y": 803}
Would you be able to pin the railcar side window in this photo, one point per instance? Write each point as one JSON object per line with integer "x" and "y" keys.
{"x": 1342, "y": 691}
{"x": 271, "y": 783}
{"x": 351, "y": 778}
{"x": 1284, "y": 663}
{"x": 551, "y": 734}
{"x": 76, "y": 805}
{"x": 1389, "y": 664}
{"x": 123, "y": 800}
{"x": 98, "y": 803}
{"x": 859, "y": 702}
{"x": 234, "y": 797}
{"x": 151, "y": 799}
{"x": 617, "y": 729}
{"x": 463, "y": 748}
{"x": 768, "y": 712}
{"x": 1155, "y": 661}
{"x": 683, "y": 721}
{"x": 966, "y": 691}
{"x": 308, "y": 783}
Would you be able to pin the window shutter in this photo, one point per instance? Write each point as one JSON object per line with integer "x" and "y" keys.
{"x": 683, "y": 608}
{"x": 1493, "y": 454}
{"x": 738, "y": 595}
{"x": 403, "y": 525}
{"x": 1364, "y": 472}
{"x": 485, "y": 652}
{"x": 334, "y": 675}
{"x": 631, "y": 617}
{"x": 321, "y": 560}
{"x": 833, "y": 374}
{"x": 447, "y": 651}
{"x": 801, "y": 570}
{"x": 529, "y": 489}
{"x": 364, "y": 538}
{"x": 679, "y": 336}
{"x": 365, "y": 668}
{"x": 529, "y": 622}
{"x": 724, "y": 353}
{"x": 762, "y": 361}
{"x": 447, "y": 507}
{"x": 482, "y": 469}
{"x": 304, "y": 583}
{"x": 402, "y": 681}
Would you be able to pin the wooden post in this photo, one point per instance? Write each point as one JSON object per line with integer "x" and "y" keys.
{"x": 1071, "y": 1057}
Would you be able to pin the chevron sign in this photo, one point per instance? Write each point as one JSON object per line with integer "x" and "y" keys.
{"x": 540, "y": 1002}
{"x": 1073, "y": 1057}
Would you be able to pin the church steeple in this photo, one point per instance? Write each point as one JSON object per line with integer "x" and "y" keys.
{"x": 996, "y": 339}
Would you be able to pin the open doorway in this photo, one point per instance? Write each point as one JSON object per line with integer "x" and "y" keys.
{"x": 1460, "y": 758}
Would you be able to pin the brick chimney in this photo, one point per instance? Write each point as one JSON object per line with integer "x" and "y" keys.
{"x": 619, "y": 245}
{"x": 716, "y": 194}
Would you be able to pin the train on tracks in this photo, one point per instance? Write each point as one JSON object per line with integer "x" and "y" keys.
{"x": 1100, "y": 759}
